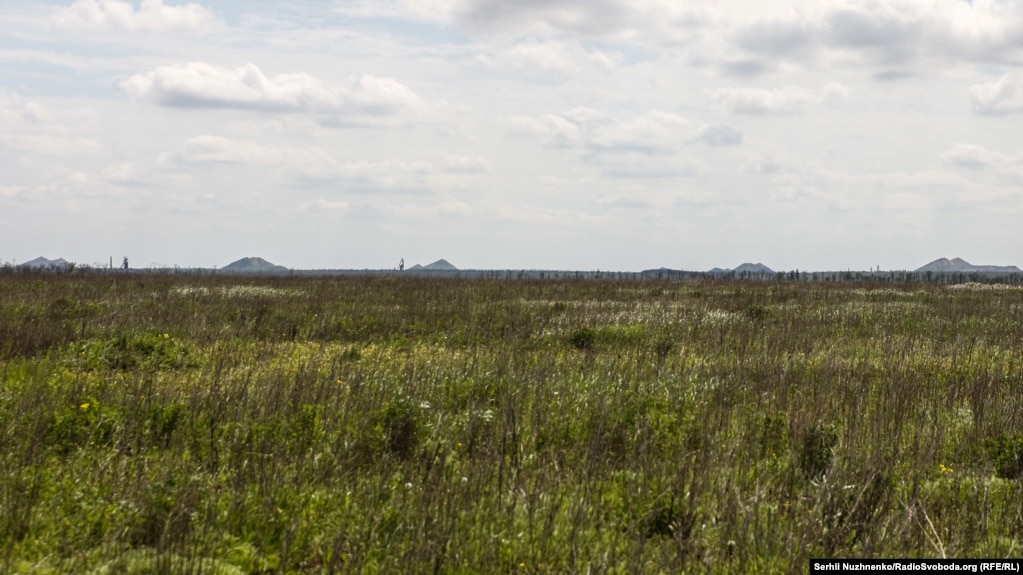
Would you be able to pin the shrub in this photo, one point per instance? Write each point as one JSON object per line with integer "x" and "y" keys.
{"x": 772, "y": 437}
{"x": 82, "y": 425}
{"x": 816, "y": 451}
{"x": 669, "y": 519}
{"x": 757, "y": 312}
{"x": 583, "y": 339}
{"x": 401, "y": 427}
{"x": 148, "y": 351}
{"x": 1006, "y": 453}
{"x": 163, "y": 420}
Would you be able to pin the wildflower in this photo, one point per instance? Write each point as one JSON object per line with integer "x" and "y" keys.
{"x": 84, "y": 406}
{"x": 166, "y": 336}
{"x": 942, "y": 468}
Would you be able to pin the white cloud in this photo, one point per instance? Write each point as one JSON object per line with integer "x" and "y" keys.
{"x": 998, "y": 97}
{"x": 313, "y": 165}
{"x": 629, "y": 166}
{"x": 557, "y": 130}
{"x": 846, "y": 191}
{"x": 655, "y": 132}
{"x": 457, "y": 164}
{"x": 68, "y": 60}
{"x": 653, "y": 145}
{"x": 541, "y": 215}
{"x": 758, "y": 101}
{"x": 835, "y": 93}
{"x": 12, "y": 191}
{"x": 560, "y": 56}
{"x": 777, "y": 102}
{"x": 321, "y": 205}
{"x": 720, "y": 135}
{"x": 151, "y": 16}
{"x": 885, "y": 39}
{"x": 63, "y": 190}
{"x": 33, "y": 128}
{"x": 426, "y": 10}
{"x": 595, "y": 18}
{"x": 766, "y": 164}
{"x": 448, "y": 208}
{"x": 202, "y": 85}
{"x": 977, "y": 157}
{"x": 406, "y": 176}
{"x": 119, "y": 173}
{"x": 213, "y": 150}
{"x": 626, "y": 202}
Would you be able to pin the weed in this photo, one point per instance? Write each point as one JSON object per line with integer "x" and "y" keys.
{"x": 208, "y": 424}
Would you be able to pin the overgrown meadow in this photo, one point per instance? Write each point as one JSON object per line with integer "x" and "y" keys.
{"x": 227, "y": 425}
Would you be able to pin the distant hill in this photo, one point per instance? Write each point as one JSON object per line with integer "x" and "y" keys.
{"x": 253, "y": 265}
{"x": 959, "y": 265}
{"x": 748, "y": 268}
{"x": 441, "y": 265}
{"x": 757, "y": 268}
{"x": 660, "y": 270}
{"x": 43, "y": 263}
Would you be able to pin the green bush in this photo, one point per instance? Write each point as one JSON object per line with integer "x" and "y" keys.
{"x": 87, "y": 424}
{"x": 817, "y": 450}
{"x": 773, "y": 436}
{"x": 757, "y": 312}
{"x": 162, "y": 422}
{"x": 401, "y": 426}
{"x": 583, "y": 339}
{"x": 1006, "y": 453}
{"x": 669, "y": 519}
{"x": 147, "y": 351}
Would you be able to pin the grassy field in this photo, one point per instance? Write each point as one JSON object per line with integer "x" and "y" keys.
{"x": 185, "y": 424}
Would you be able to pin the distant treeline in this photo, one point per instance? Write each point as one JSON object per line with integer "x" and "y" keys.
{"x": 902, "y": 276}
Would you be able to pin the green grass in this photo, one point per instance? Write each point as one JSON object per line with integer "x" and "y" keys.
{"x": 181, "y": 424}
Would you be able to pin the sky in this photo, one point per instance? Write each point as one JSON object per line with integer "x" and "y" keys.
{"x": 530, "y": 134}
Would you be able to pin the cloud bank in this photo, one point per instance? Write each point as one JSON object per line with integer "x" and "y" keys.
{"x": 997, "y": 98}
{"x": 777, "y": 102}
{"x": 151, "y": 16}
{"x": 246, "y": 87}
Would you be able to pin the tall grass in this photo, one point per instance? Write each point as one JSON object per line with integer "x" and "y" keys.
{"x": 160, "y": 424}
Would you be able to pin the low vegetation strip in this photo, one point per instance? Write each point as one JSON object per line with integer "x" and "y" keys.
{"x": 224, "y": 425}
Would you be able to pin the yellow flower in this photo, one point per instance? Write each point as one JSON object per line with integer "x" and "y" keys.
{"x": 944, "y": 469}
{"x": 166, "y": 336}
{"x": 84, "y": 406}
